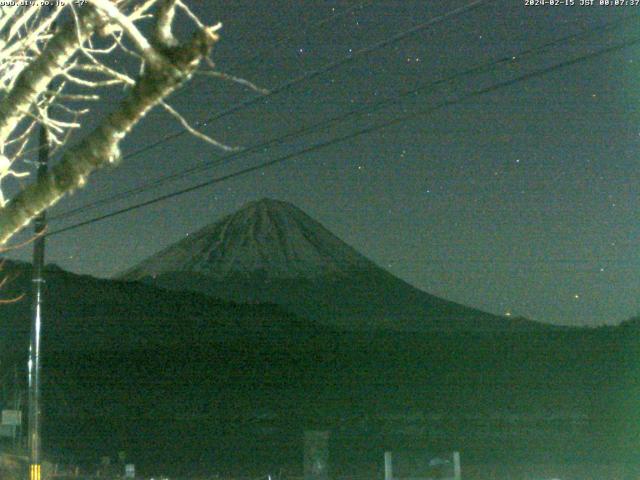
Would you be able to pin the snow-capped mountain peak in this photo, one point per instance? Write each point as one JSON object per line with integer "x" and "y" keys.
{"x": 267, "y": 237}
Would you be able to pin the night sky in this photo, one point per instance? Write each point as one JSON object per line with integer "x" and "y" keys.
{"x": 524, "y": 200}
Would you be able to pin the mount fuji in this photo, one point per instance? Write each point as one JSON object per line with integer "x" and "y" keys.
{"x": 271, "y": 251}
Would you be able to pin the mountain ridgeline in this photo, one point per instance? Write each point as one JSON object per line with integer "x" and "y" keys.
{"x": 271, "y": 251}
{"x": 129, "y": 366}
{"x": 193, "y": 353}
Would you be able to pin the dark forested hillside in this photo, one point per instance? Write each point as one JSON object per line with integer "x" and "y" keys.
{"x": 225, "y": 386}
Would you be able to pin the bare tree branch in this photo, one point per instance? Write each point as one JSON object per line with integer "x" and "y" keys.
{"x": 35, "y": 78}
{"x": 183, "y": 121}
{"x": 101, "y": 147}
{"x": 130, "y": 29}
{"x": 43, "y": 70}
{"x": 234, "y": 79}
{"x": 162, "y": 33}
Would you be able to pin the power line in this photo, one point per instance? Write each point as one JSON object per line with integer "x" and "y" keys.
{"x": 286, "y": 38}
{"x": 319, "y": 71}
{"x": 256, "y": 55}
{"x": 319, "y": 23}
{"x": 392, "y": 122}
{"x": 357, "y": 133}
{"x": 254, "y": 148}
{"x": 506, "y": 59}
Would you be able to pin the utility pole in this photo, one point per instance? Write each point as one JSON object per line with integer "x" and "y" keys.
{"x": 35, "y": 407}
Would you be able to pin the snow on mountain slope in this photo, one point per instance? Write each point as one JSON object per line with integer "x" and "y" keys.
{"x": 268, "y": 236}
{"x": 271, "y": 251}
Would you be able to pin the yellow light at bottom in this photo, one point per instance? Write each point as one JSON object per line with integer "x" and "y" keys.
{"x": 34, "y": 472}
